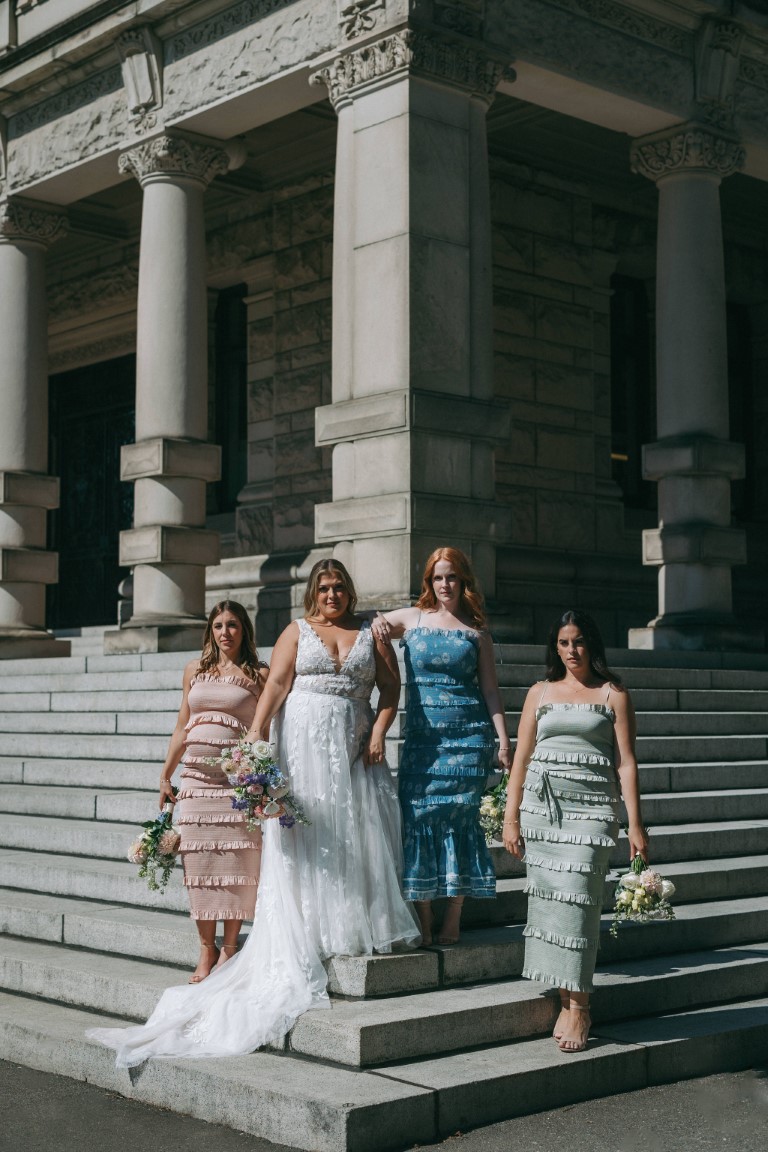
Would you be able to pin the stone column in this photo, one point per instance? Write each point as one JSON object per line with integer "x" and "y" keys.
{"x": 693, "y": 460}
{"x": 26, "y": 491}
{"x": 170, "y": 463}
{"x": 412, "y": 422}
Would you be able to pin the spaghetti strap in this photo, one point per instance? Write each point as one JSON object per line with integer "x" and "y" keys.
{"x": 543, "y": 693}
{"x": 607, "y": 692}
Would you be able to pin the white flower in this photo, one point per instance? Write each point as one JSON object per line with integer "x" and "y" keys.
{"x": 262, "y": 749}
{"x": 272, "y": 808}
{"x": 278, "y": 791}
{"x": 650, "y": 880}
{"x": 625, "y": 897}
{"x": 630, "y": 880}
{"x": 667, "y": 889}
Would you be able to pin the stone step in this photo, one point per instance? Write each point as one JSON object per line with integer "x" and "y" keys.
{"x": 671, "y": 699}
{"x": 708, "y": 775}
{"x": 141, "y": 700}
{"x": 317, "y": 1108}
{"x": 118, "y": 774}
{"x": 88, "y": 876}
{"x": 523, "y": 674}
{"x": 76, "y": 682}
{"x": 494, "y": 1084}
{"x": 76, "y": 746}
{"x": 368, "y": 1033}
{"x": 107, "y": 723}
{"x": 702, "y": 807}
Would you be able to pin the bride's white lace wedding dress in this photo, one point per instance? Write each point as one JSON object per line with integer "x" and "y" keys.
{"x": 329, "y": 888}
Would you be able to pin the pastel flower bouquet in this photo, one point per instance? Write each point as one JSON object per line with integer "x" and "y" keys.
{"x": 492, "y": 810}
{"x": 156, "y": 849}
{"x": 260, "y": 787}
{"x": 642, "y": 895}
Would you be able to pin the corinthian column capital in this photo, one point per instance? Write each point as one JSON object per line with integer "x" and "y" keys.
{"x": 174, "y": 156}
{"x": 30, "y": 224}
{"x": 687, "y": 148}
{"x": 418, "y": 53}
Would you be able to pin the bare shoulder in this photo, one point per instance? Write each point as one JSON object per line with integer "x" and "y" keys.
{"x": 619, "y": 698}
{"x": 405, "y": 617}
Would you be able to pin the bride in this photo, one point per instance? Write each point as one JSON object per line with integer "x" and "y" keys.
{"x": 328, "y": 888}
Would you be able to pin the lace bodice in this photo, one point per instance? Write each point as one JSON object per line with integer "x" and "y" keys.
{"x": 317, "y": 673}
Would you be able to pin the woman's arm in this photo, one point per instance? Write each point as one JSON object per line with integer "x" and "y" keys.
{"x": 489, "y": 686}
{"x": 392, "y": 625}
{"x": 388, "y": 683}
{"x": 176, "y": 746}
{"x": 526, "y": 742}
{"x": 625, "y": 732}
{"x": 278, "y": 683}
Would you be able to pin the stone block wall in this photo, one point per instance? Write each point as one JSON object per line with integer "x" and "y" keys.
{"x": 289, "y": 375}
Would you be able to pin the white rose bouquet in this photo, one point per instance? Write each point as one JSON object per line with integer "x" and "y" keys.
{"x": 156, "y": 849}
{"x": 642, "y": 895}
{"x": 492, "y": 810}
{"x": 259, "y": 787}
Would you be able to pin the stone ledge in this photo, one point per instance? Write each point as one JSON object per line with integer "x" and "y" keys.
{"x": 29, "y": 566}
{"x": 168, "y": 544}
{"x": 694, "y": 544}
{"x": 31, "y": 489}
{"x": 693, "y": 455}
{"x": 166, "y": 457}
{"x": 429, "y": 411}
{"x": 369, "y": 516}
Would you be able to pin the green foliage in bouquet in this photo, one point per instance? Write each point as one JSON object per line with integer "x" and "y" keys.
{"x": 642, "y": 895}
{"x": 492, "y": 810}
{"x": 156, "y": 849}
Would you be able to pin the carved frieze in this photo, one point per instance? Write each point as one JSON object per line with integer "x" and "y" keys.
{"x": 716, "y": 69}
{"x": 89, "y": 293}
{"x": 359, "y": 17}
{"x": 27, "y": 223}
{"x": 55, "y": 107}
{"x": 463, "y": 16}
{"x": 687, "y": 147}
{"x": 444, "y": 60}
{"x": 174, "y": 156}
{"x": 217, "y": 27}
{"x": 633, "y": 23}
{"x": 121, "y": 345}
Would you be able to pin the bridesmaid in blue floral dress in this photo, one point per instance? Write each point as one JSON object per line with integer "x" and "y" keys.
{"x": 453, "y": 713}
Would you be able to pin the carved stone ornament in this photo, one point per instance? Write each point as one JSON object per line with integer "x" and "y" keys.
{"x": 141, "y": 63}
{"x": 717, "y": 67}
{"x": 360, "y": 17}
{"x": 443, "y": 60}
{"x": 689, "y": 147}
{"x": 463, "y": 16}
{"x": 29, "y": 224}
{"x": 174, "y": 156}
{"x": 631, "y": 22}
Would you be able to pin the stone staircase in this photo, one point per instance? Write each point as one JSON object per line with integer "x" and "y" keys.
{"x": 417, "y": 1045}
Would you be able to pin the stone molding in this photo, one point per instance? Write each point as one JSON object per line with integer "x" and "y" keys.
{"x": 716, "y": 69}
{"x": 631, "y": 22}
{"x": 141, "y": 61}
{"x": 686, "y": 148}
{"x": 358, "y": 18}
{"x": 174, "y": 156}
{"x": 114, "y": 285}
{"x": 170, "y": 457}
{"x": 121, "y": 345}
{"x": 78, "y": 96}
{"x": 28, "y": 224}
{"x": 459, "y": 65}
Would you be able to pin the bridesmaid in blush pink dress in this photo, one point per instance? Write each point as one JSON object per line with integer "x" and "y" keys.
{"x": 220, "y": 855}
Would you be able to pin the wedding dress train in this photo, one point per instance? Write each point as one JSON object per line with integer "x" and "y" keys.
{"x": 329, "y": 888}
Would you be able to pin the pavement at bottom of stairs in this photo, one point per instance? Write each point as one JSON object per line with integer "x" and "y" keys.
{"x": 727, "y": 1112}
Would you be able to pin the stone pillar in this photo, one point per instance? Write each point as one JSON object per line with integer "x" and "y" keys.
{"x": 693, "y": 460}
{"x": 412, "y": 422}
{"x": 170, "y": 463}
{"x": 26, "y": 491}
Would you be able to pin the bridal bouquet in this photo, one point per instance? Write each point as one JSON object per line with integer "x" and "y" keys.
{"x": 642, "y": 895}
{"x": 156, "y": 849}
{"x": 492, "y": 810}
{"x": 260, "y": 788}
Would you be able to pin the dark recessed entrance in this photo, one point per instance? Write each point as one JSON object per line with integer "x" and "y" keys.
{"x": 91, "y": 416}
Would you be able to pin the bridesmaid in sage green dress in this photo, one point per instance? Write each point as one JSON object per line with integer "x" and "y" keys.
{"x": 575, "y": 748}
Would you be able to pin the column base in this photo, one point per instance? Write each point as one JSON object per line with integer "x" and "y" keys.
{"x": 20, "y": 644}
{"x": 696, "y": 633}
{"x": 139, "y": 640}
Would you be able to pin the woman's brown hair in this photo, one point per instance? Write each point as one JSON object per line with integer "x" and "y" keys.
{"x": 318, "y": 571}
{"x": 249, "y": 657}
{"x": 472, "y": 603}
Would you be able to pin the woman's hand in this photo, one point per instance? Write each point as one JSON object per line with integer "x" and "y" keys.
{"x": 638, "y": 841}
{"x": 505, "y": 757}
{"x": 374, "y": 751}
{"x": 513, "y": 840}
{"x": 381, "y": 628}
{"x": 166, "y": 793}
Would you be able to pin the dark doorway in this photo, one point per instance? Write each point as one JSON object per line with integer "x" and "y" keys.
{"x": 91, "y": 416}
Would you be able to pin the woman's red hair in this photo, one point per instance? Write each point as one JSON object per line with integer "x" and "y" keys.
{"x": 472, "y": 603}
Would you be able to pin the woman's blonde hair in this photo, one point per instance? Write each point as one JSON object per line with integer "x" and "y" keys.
{"x": 472, "y": 603}
{"x": 249, "y": 657}
{"x": 318, "y": 571}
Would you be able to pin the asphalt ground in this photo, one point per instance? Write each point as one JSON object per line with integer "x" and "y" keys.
{"x": 40, "y": 1112}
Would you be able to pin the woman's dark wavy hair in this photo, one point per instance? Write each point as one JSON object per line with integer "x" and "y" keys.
{"x": 594, "y": 641}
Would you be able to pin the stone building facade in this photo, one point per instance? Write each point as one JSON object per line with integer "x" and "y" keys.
{"x": 280, "y": 278}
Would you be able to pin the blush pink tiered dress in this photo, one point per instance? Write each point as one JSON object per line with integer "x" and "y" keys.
{"x": 220, "y": 856}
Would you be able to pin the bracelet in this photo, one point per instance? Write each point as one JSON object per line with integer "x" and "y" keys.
{"x": 511, "y": 821}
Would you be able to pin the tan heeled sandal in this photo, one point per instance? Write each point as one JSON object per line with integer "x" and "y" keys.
{"x": 566, "y": 1044}
{"x": 565, "y": 1003}
{"x": 226, "y": 952}
{"x": 194, "y": 978}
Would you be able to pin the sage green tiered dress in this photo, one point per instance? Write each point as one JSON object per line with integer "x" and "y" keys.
{"x": 569, "y": 821}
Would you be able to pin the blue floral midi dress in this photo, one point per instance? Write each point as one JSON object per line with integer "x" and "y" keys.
{"x": 445, "y": 761}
